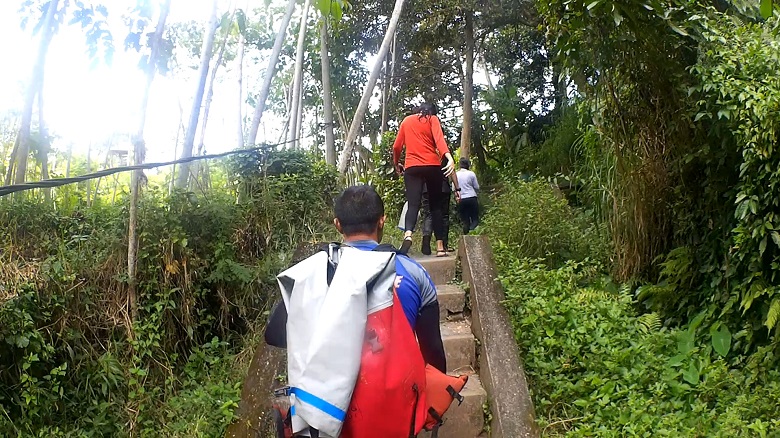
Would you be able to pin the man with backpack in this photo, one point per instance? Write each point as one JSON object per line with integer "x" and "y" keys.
{"x": 364, "y": 322}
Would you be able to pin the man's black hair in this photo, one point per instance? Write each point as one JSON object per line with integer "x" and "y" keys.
{"x": 358, "y": 209}
{"x": 465, "y": 163}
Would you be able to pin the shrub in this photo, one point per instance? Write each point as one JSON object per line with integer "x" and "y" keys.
{"x": 532, "y": 218}
{"x": 72, "y": 363}
{"x": 596, "y": 369}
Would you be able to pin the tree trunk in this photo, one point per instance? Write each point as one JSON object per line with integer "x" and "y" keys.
{"x": 269, "y": 73}
{"x": 327, "y": 99}
{"x": 36, "y": 84}
{"x": 179, "y": 130}
{"x": 203, "y": 71}
{"x": 559, "y": 85}
{"x": 298, "y": 78}
{"x": 241, "y": 50}
{"x": 89, "y": 169}
{"x": 299, "y": 116}
{"x": 9, "y": 172}
{"x": 487, "y": 76}
{"x": 357, "y": 120}
{"x": 139, "y": 152}
{"x": 210, "y": 95}
{"x": 468, "y": 87}
{"x": 388, "y": 84}
{"x": 70, "y": 158}
{"x": 385, "y": 91}
{"x": 45, "y": 145}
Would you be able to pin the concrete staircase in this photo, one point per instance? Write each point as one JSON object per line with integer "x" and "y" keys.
{"x": 468, "y": 419}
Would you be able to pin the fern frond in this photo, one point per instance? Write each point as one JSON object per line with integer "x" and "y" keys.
{"x": 649, "y": 322}
{"x": 590, "y": 295}
{"x": 773, "y": 315}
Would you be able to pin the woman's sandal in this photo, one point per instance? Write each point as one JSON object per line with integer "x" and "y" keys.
{"x": 441, "y": 253}
{"x": 406, "y": 245}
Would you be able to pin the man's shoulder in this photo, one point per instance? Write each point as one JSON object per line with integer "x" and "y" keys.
{"x": 409, "y": 267}
{"x": 407, "y": 261}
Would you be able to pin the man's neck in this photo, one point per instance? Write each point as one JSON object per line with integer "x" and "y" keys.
{"x": 359, "y": 237}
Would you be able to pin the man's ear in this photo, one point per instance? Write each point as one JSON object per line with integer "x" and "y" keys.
{"x": 337, "y": 224}
{"x": 382, "y": 221}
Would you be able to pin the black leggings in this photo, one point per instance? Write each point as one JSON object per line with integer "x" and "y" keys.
{"x": 469, "y": 213}
{"x": 414, "y": 179}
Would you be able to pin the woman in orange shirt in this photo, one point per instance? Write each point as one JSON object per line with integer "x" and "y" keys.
{"x": 422, "y": 135}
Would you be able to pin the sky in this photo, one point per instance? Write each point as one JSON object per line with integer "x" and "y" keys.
{"x": 84, "y": 105}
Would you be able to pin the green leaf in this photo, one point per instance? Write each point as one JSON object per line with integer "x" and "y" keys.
{"x": 241, "y": 20}
{"x": 617, "y": 17}
{"x": 776, "y": 237}
{"x": 721, "y": 339}
{"x": 324, "y": 7}
{"x": 22, "y": 341}
{"x": 696, "y": 322}
{"x": 742, "y": 210}
{"x": 691, "y": 375}
{"x": 773, "y": 315}
{"x": 678, "y": 30}
{"x": 766, "y": 8}
{"x": 594, "y": 4}
{"x": 337, "y": 11}
{"x": 677, "y": 360}
{"x": 685, "y": 342}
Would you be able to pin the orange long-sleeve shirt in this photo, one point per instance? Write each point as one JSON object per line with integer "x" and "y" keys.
{"x": 424, "y": 140}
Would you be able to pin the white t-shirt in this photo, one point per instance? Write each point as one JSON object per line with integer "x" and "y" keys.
{"x": 468, "y": 184}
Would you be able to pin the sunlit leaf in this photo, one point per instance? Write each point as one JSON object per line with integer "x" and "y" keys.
{"x": 678, "y": 30}
{"x": 766, "y": 8}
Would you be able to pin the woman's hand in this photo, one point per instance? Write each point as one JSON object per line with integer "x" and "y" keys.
{"x": 450, "y": 167}
{"x": 399, "y": 169}
{"x": 457, "y": 196}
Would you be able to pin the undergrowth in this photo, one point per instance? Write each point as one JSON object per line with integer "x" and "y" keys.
{"x": 596, "y": 367}
{"x": 74, "y": 362}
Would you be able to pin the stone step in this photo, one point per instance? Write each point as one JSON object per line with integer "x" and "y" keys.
{"x": 441, "y": 269}
{"x": 468, "y": 419}
{"x": 452, "y": 302}
{"x": 459, "y": 345}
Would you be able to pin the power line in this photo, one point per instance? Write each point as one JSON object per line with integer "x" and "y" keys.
{"x": 57, "y": 182}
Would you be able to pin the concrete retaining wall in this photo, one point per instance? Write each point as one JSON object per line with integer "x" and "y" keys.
{"x": 500, "y": 367}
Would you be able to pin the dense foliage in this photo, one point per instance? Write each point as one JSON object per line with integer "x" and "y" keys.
{"x": 539, "y": 223}
{"x": 73, "y": 362}
{"x": 670, "y": 136}
{"x": 598, "y": 368}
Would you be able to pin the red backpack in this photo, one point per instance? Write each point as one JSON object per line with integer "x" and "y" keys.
{"x": 389, "y": 397}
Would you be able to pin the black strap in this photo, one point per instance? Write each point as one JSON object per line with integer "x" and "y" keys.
{"x": 435, "y": 415}
{"x": 280, "y": 421}
{"x": 414, "y": 412}
{"x": 386, "y": 247}
{"x": 454, "y": 394}
{"x": 382, "y": 247}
